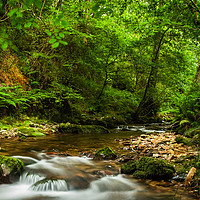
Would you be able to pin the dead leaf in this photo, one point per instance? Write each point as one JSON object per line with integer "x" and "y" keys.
{"x": 190, "y": 176}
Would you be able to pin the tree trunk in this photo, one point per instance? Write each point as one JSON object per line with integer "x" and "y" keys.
{"x": 197, "y": 77}
{"x": 149, "y": 106}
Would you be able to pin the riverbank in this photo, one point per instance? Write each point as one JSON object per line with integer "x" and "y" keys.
{"x": 167, "y": 146}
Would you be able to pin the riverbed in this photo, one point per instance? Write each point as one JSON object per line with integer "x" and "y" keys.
{"x": 59, "y": 167}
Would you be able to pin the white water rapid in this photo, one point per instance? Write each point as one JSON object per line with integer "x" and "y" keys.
{"x": 67, "y": 178}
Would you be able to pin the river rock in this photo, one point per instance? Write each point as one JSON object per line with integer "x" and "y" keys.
{"x": 149, "y": 168}
{"x": 105, "y": 154}
{"x": 10, "y": 169}
{"x": 74, "y": 128}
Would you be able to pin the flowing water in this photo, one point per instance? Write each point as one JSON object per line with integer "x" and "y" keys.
{"x": 48, "y": 176}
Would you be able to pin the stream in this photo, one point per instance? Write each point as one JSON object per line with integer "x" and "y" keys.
{"x": 57, "y": 168}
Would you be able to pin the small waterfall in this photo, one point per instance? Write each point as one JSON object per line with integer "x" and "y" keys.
{"x": 28, "y": 178}
{"x": 50, "y": 185}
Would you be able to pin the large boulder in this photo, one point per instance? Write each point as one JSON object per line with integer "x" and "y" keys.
{"x": 10, "y": 169}
{"x": 74, "y": 128}
{"x": 105, "y": 154}
{"x": 149, "y": 168}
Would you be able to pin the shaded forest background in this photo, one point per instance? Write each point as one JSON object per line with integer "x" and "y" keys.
{"x": 80, "y": 60}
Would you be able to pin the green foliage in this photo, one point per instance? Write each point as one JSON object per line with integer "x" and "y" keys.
{"x": 187, "y": 107}
{"x": 183, "y": 140}
{"x": 116, "y": 99}
{"x": 12, "y": 98}
{"x": 101, "y": 57}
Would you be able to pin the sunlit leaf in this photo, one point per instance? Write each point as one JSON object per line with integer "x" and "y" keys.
{"x": 62, "y": 35}
{"x": 11, "y": 12}
{"x": 52, "y": 40}
{"x": 4, "y": 46}
{"x": 63, "y": 42}
{"x": 55, "y": 45}
{"x": 47, "y": 32}
{"x": 27, "y": 25}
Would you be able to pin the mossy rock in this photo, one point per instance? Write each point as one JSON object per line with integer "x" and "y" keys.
{"x": 29, "y": 132}
{"x": 149, "y": 168}
{"x": 73, "y": 128}
{"x": 129, "y": 167}
{"x": 10, "y": 169}
{"x": 105, "y": 154}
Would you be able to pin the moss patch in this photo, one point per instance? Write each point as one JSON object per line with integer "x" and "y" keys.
{"x": 105, "y": 154}
{"x": 73, "y": 128}
{"x": 149, "y": 168}
{"x": 11, "y": 168}
{"x": 30, "y": 132}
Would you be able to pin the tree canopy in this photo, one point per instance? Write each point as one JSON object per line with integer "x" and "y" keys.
{"x": 67, "y": 59}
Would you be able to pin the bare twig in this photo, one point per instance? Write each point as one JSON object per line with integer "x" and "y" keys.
{"x": 42, "y": 9}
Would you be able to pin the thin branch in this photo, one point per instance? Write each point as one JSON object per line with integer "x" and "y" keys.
{"x": 2, "y": 20}
{"x": 42, "y": 9}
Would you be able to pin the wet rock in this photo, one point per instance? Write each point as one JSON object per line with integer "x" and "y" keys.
{"x": 73, "y": 128}
{"x": 105, "y": 154}
{"x": 149, "y": 168}
{"x": 10, "y": 169}
{"x": 179, "y": 178}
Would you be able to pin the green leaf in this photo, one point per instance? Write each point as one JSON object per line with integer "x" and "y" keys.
{"x": 47, "y": 32}
{"x": 55, "y": 45}
{"x": 63, "y": 42}
{"x": 4, "y": 46}
{"x": 52, "y": 40}
{"x": 62, "y": 35}
{"x": 27, "y": 25}
{"x": 10, "y": 102}
{"x": 11, "y": 12}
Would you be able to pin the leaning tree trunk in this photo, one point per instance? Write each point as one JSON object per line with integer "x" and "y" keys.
{"x": 148, "y": 105}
